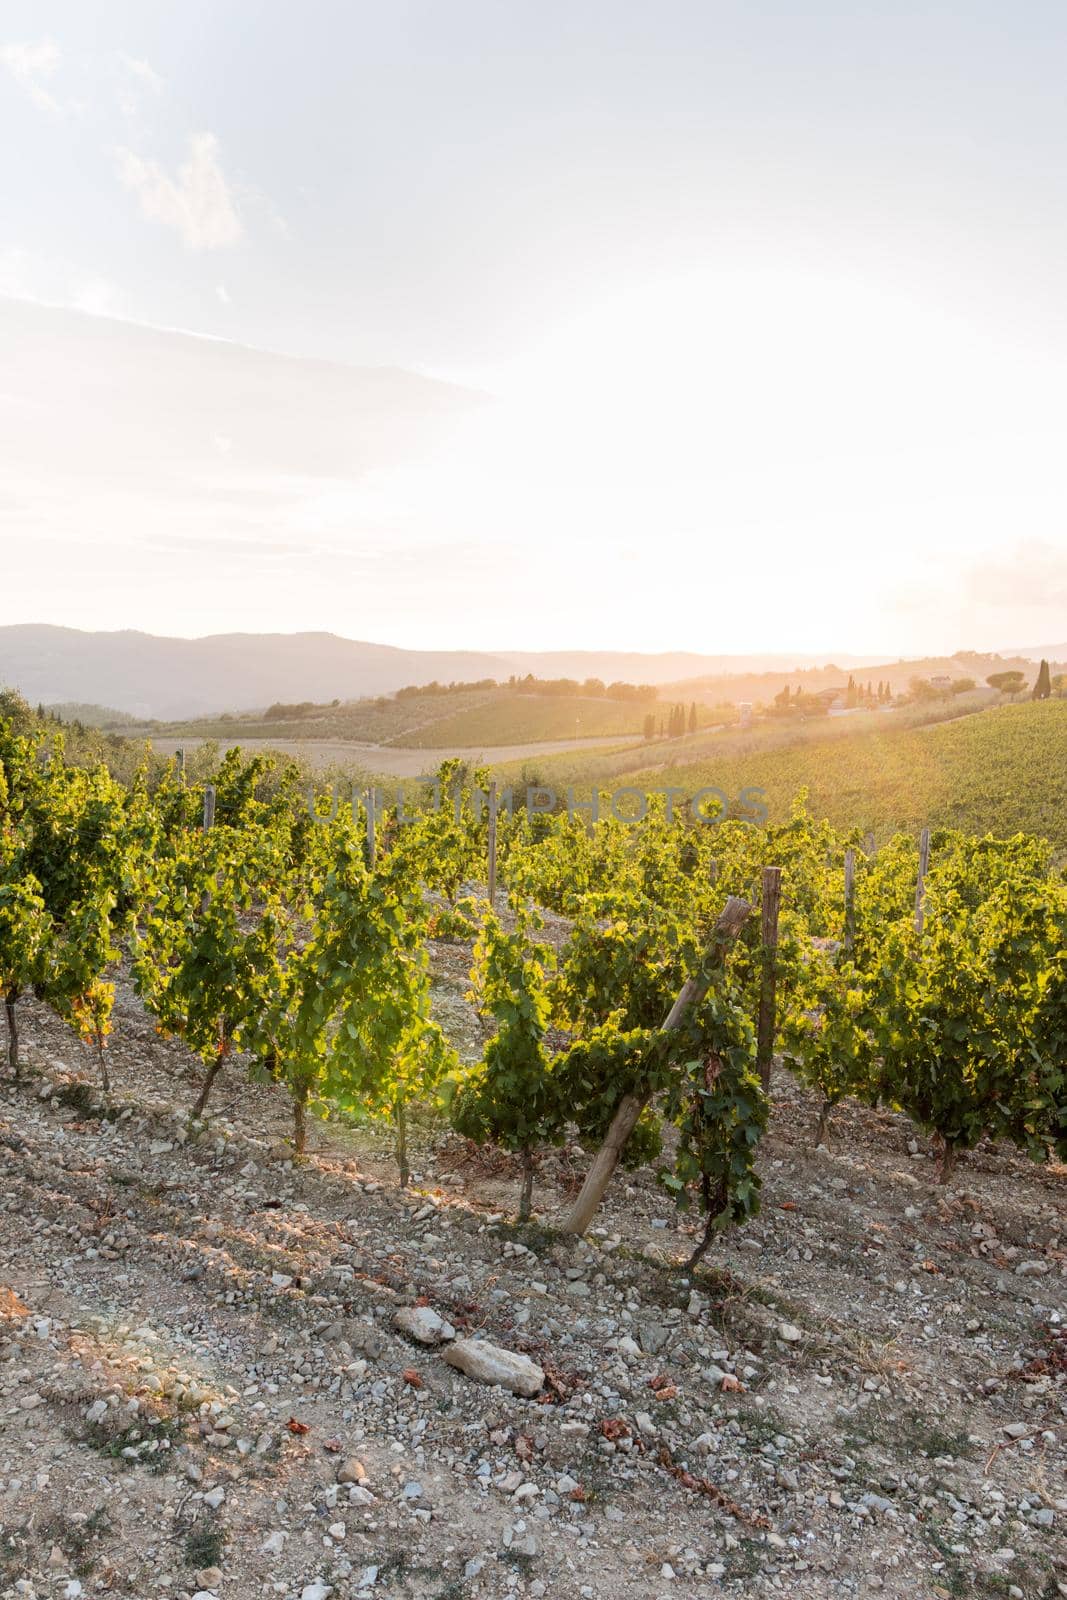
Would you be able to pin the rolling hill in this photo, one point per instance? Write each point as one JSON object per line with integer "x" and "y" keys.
{"x": 155, "y": 677}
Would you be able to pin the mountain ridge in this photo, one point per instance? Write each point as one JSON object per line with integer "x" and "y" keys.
{"x": 162, "y": 677}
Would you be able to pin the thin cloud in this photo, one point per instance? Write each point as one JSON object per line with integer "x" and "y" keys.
{"x": 31, "y": 63}
{"x": 197, "y": 203}
{"x": 136, "y": 79}
{"x": 143, "y": 72}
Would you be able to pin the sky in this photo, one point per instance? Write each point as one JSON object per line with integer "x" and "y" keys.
{"x": 727, "y": 327}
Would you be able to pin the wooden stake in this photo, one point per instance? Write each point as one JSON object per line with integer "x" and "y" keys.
{"x": 372, "y": 849}
{"x": 492, "y": 845}
{"x": 733, "y": 918}
{"x": 772, "y": 896}
{"x": 850, "y": 898}
{"x": 209, "y": 806}
{"x": 920, "y": 886}
{"x": 181, "y": 766}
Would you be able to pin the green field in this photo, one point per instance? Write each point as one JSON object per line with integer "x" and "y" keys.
{"x": 1002, "y": 772}
{"x": 506, "y": 718}
{"x": 999, "y": 771}
{"x": 461, "y": 719}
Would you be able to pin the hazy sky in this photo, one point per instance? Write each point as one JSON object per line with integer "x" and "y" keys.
{"x": 765, "y": 304}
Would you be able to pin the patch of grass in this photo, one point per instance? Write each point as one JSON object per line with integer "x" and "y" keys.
{"x": 399, "y": 1564}
{"x": 12, "y": 1552}
{"x": 536, "y": 1236}
{"x": 519, "y": 1560}
{"x": 151, "y": 1442}
{"x": 746, "y": 1560}
{"x": 454, "y": 1589}
{"x": 74, "y": 1537}
{"x": 953, "y": 1578}
{"x": 905, "y": 1434}
{"x": 81, "y": 1098}
{"x": 937, "y": 1441}
{"x": 204, "y": 1544}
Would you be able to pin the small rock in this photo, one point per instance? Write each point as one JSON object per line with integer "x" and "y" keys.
{"x": 489, "y": 1363}
{"x": 789, "y": 1332}
{"x": 351, "y": 1470}
{"x": 423, "y": 1324}
{"x": 653, "y": 1336}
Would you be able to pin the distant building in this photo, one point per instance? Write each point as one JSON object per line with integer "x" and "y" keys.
{"x": 941, "y": 680}
{"x": 744, "y": 713}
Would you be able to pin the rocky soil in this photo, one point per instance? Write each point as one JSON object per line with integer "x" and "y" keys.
{"x": 223, "y": 1374}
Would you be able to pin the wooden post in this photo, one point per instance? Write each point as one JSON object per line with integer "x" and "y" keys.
{"x": 868, "y": 844}
{"x": 492, "y": 845}
{"x": 731, "y": 921}
{"x": 713, "y": 871}
{"x": 772, "y": 896}
{"x": 920, "y": 885}
{"x": 850, "y": 898}
{"x": 181, "y": 765}
{"x": 372, "y": 849}
{"x": 209, "y": 806}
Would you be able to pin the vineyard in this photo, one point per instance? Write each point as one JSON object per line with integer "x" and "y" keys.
{"x": 635, "y": 993}
{"x": 1000, "y": 772}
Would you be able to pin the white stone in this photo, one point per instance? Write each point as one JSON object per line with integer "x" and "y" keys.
{"x": 423, "y": 1324}
{"x": 489, "y": 1363}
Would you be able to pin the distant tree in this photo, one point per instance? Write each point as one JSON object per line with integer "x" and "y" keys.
{"x": 962, "y": 685}
{"x": 1007, "y": 682}
{"x": 1043, "y": 687}
{"x": 1059, "y": 685}
{"x": 650, "y": 726}
{"x": 693, "y": 717}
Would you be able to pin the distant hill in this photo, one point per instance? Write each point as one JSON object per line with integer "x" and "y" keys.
{"x": 1042, "y": 652}
{"x": 761, "y": 686}
{"x": 92, "y": 716}
{"x": 164, "y": 678}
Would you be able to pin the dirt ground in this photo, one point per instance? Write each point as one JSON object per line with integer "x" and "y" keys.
{"x": 204, "y": 1391}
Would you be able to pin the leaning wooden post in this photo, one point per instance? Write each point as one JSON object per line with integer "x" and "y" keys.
{"x": 772, "y": 896}
{"x": 492, "y": 846}
{"x": 850, "y": 899}
{"x": 372, "y": 849}
{"x": 920, "y": 884}
{"x": 731, "y": 921}
{"x": 209, "y": 806}
{"x": 180, "y": 755}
